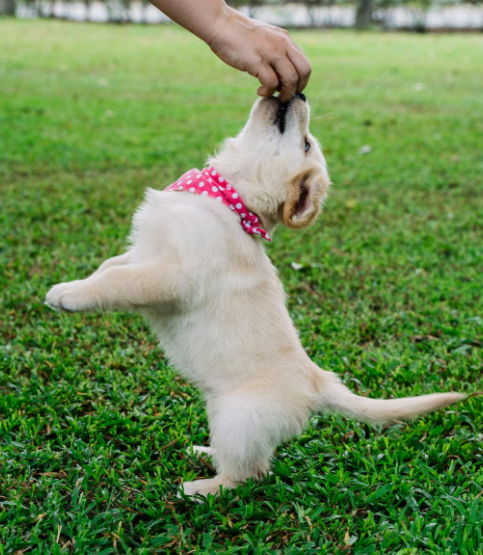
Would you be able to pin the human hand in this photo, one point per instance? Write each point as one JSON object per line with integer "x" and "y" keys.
{"x": 264, "y": 51}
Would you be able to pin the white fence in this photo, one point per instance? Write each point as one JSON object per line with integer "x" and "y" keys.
{"x": 461, "y": 16}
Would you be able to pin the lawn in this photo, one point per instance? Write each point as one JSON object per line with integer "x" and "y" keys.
{"x": 95, "y": 426}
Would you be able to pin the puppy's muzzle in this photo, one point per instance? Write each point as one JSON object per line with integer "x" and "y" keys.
{"x": 283, "y": 109}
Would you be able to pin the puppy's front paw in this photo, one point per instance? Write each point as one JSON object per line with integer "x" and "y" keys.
{"x": 66, "y": 297}
{"x": 52, "y": 299}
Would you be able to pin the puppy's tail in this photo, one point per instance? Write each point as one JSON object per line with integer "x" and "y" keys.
{"x": 336, "y": 397}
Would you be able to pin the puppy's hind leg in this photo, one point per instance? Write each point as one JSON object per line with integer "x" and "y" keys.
{"x": 246, "y": 426}
{"x": 201, "y": 450}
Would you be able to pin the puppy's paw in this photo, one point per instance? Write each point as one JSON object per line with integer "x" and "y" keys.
{"x": 66, "y": 297}
{"x": 207, "y": 487}
{"x": 198, "y": 489}
{"x": 199, "y": 449}
{"x": 53, "y": 297}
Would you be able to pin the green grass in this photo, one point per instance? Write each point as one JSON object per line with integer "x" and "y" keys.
{"x": 95, "y": 426}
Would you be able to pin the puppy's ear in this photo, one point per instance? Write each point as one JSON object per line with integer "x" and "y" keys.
{"x": 306, "y": 195}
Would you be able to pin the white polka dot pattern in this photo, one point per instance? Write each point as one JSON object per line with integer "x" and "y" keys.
{"x": 223, "y": 192}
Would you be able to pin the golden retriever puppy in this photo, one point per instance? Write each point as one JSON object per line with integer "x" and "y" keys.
{"x": 211, "y": 294}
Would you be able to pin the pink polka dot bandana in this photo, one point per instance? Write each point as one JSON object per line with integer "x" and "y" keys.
{"x": 209, "y": 183}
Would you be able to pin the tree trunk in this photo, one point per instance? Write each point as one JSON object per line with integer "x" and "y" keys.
{"x": 87, "y": 10}
{"x": 364, "y": 14}
{"x": 8, "y": 7}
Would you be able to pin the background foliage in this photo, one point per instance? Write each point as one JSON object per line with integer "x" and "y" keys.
{"x": 95, "y": 426}
{"x": 362, "y": 14}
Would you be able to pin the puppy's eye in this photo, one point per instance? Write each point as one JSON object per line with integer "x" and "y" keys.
{"x": 307, "y": 145}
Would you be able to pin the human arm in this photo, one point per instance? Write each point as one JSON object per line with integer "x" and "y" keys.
{"x": 264, "y": 51}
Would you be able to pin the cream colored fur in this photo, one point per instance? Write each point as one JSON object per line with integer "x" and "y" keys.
{"x": 214, "y": 300}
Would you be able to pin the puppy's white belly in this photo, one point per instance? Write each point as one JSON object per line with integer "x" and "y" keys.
{"x": 214, "y": 353}
{"x": 198, "y": 349}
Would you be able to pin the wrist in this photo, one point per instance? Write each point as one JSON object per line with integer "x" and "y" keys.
{"x": 223, "y": 21}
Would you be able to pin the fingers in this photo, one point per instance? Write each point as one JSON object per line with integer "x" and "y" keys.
{"x": 291, "y": 66}
{"x": 302, "y": 66}
{"x": 269, "y": 81}
{"x": 289, "y": 74}
{"x": 267, "y": 52}
{"x": 287, "y": 77}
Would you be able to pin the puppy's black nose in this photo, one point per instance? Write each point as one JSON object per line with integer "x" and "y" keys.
{"x": 302, "y": 96}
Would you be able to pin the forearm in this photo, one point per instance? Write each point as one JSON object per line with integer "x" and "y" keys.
{"x": 202, "y": 18}
{"x": 264, "y": 51}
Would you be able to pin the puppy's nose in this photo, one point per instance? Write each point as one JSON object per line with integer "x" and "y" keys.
{"x": 302, "y": 96}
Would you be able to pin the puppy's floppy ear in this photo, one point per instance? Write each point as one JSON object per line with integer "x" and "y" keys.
{"x": 306, "y": 195}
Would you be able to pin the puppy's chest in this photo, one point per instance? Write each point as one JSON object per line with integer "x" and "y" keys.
{"x": 219, "y": 340}
{"x": 199, "y": 343}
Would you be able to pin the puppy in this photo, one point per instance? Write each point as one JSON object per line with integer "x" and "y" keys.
{"x": 198, "y": 272}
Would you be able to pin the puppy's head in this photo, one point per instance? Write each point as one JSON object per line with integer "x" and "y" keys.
{"x": 282, "y": 162}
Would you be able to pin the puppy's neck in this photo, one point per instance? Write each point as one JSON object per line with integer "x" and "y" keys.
{"x": 254, "y": 198}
